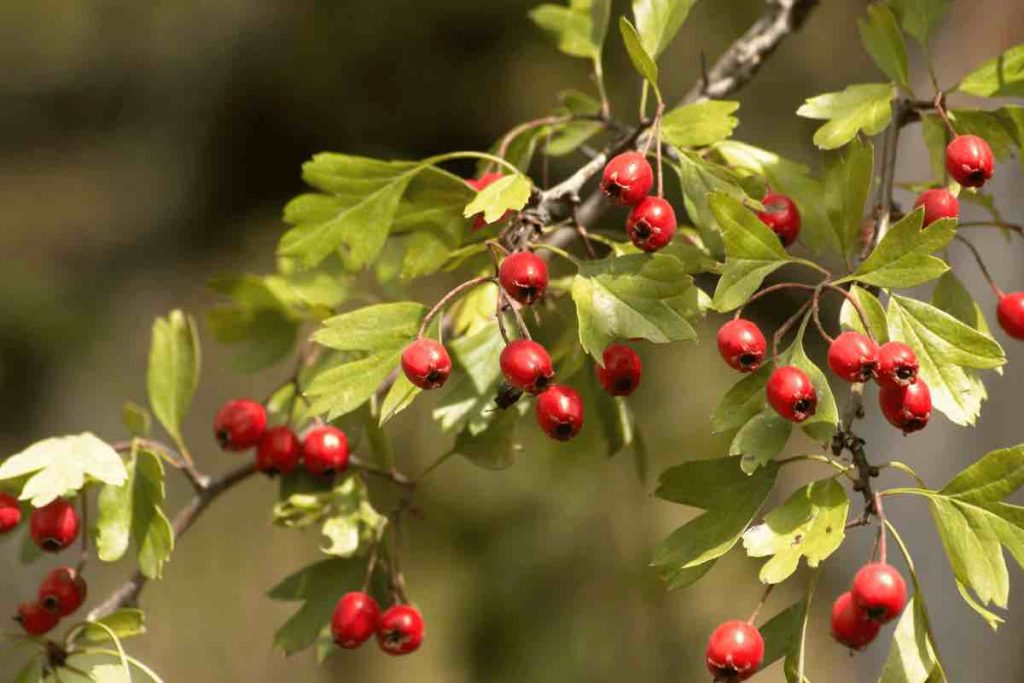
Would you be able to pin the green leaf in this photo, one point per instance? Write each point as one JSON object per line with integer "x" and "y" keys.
{"x": 634, "y": 296}
{"x": 509, "y": 193}
{"x": 125, "y": 623}
{"x": 911, "y": 657}
{"x": 848, "y": 177}
{"x": 318, "y": 587}
{"x": 339, "y": 390}
{"x": 258, "y": 337}
{"x": 782, "y": 633}
{"x": 658, "y": 21}
{"x": 821, "y": 426}
{"x": 742, "y": 402}
{"x": 811, "y": 524}
{"x": 862, "y": 107}
{"x": 700, "y": 124}
{"x": 951, "y": 296}
{"x": 495, "y": 447}
{"x": 372, "y": 328}
{"x": 136, "y": 419}
{"x": 133, "y": 512}
{"x": 903, "y": 257}
{"x": 999, "y": 77}
{"x": 642, "y": 60}
{"x": 173, "y": 374}
{"x": 994, "y": 127}
{"x": 991, "y": 478}
{"x": 400, "y": 396}
{"x": 920, "y": 18}
{"x": 109, "y": 673}
{"x": 760, "y": 440}
{"x": 698, "y": 179}
{"x": 884, "y": 42}
{"x": 873, "y": 311}
{"x": 579, "y": 28}
{"x": 63, "y": 464}
{"x": 32, "y": 672}
{"x": 478, "y": 354}
{"x": 935, "y": 135}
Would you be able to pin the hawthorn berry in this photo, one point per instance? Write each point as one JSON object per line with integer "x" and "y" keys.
{"x": 10, "y": 513}
{"x": 627, "y": 178}
{"x": 938, "y": 203}
{"x": 651, "y": 224}
{"x": 782, "y": 216}
{"x": 622, "y": 370}
{"x": 853, "y": 357}
{"x": 279, "y": 451}
{"x": 400, "y": 630}
{"x": 479, "y": 184}
{"x": 526, "y": 365}
{"x": 36, "y": 619}
{"x": 907, "y": 408}
{"x": 325, "y": 451}
{"x": 897, "y": 364}
{"x": 524, "y": 276}
{"x": 62, "y": 591}
{"x": 1011, "y": 314}
{"x": 880, "y": 591}
{"x": 741, "y": 344}
{"x": 560, "y": 412}
{"x": 791, "y": 393}
{"x": 426, "y": 363}
{"x": 969, "y": 160}
{"x": 240, "y": 424}
{"x": 735, "y": 651}
{"x": 355, "y": 619}
{"x": 850, "y": 624}
{"x": 54, "y": 526}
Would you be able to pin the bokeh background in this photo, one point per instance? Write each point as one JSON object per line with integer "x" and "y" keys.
{"x": 147, "y": 146}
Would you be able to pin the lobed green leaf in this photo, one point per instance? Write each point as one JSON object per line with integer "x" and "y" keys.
{"x": 863, "y": 107}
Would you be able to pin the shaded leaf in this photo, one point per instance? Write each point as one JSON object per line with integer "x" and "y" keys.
{"x": 999, "y": 77}
{"x": 743, "y": 401}
{"x": 495, "y": 447}
{"x": 318, "y": 587}
{"x": 760, "y": 440}
{"x": 642, "y": 61}
{"x": 920, "y": 18}
{"x": 884, "y": 42}
{"x": 848, "y": 177}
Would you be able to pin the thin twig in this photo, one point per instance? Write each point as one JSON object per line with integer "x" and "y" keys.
{"x": 981, "y": 264}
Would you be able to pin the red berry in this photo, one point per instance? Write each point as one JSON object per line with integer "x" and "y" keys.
{"x": 355, "y": 619}
{"x": 850, "y": 624}
{"x": 62, "y": 591}
{"x": 735, "y": 651}
{"x": 1011, "y": 314}
{"x": 240, "y": 424}
{"x": 279, "y": 451}
{"x": 54, "y": 526}
{"x": 622, "y": 370}
{"x": 909, "y": 407}
{"x": 791, "y": 393}
{"x": 523, "y": 276}
{"x": 627, "y": 178}
{"x": 36, "y": 619}
{"x": 938, "y": 204}
{"x": 880, "y": 591}
{"x": 526, "y": 365}
{"x": 651, "y": 224}
{"x": 400, "y": 630}
{"x": 853, "y": 357}
{"x": 10, "y": 513}
{"x": 426, "y": 363}
{"x": 969, "y": 160}
{"x": 479, "y": 184}
{"x": 782, "y": 216}
{"x": 325, "y": 451}
{"x": 560, "y": 412}
{"x": 742, "y": 345}
{"x": 897, "y": 364}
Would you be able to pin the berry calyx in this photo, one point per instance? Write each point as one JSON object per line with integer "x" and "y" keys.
{"x": 62, "y": 591}
{"x": 524, "y": 276}
{"x": 239, "y": 424}
{"x": 526, "y": 365}
{"x": 479, "y": 184}
{"x": 36, "y": 619}
{"x": 742, "y": 345}
{"x": 54, "y": 526}
{"x": 10, "y": 513}
{"x": 651, "y": 224}
{"x": 791, "y": 393}
{"x": 909, "y": 408}
{"x": 560, "y": 412}
{"x": 880, "y": 591}
{"x": 355, "y": 619}
{"x": 1011, "y": 314}
{"x": 850, "y": 624}
{"x": 969, "y": 160}
{"x": 627, "y": 178}
{"x": 279, "y": 451}
{"x": 325, "y": 451}
{"x": 782, "y": 216}
{"x": 938, "y": 204}
{"x": 735, "y": 651}
{"x": 853, "y": 357}
{"x": 897, "y": 364}
{"x": 400, "y": 630}
{"x": 426, "y": 363}
{"x": 622, "y": 370}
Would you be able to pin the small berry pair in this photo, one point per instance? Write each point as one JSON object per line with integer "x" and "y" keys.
{"x": 60, "y": 594}
{"x": 357, "y": 616}
{"x": 526, "y": 366}
{"x": 324, "y": 451}
{"x": 54, "y": 526}
{"x": 735, "y": 651}
{"x": 904, "y": 398}
{"x": 627, "y": 180}
{"x": 878, "y": 596}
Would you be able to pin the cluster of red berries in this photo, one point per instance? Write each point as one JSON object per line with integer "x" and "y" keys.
{"x": 242, "y": 424}
{"x": 357, "y": 616}
{"x": 61, "y": 593}
{"x": 877, "y": 596}
{"x": 627, "y": 180}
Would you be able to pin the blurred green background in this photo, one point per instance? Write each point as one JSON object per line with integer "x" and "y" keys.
{"x": 146, "y": 146}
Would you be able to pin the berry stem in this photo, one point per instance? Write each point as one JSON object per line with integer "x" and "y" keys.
{"x": 523, "y": 127}
{"x": 785, "y": 327}
{"x": 447, "y": 298}
{"x": 84, "y": 522}
{"x": 981, "y": 264}
{"x": 657, "y": 147}
{"x": 773, "y": 288}
{"x": 760, "y": 605}
{"x": 940, "y": 108}
{"x": 816, "y": 310}
{"x": 856, "y": 306}
{"x": 1002, "y": 225}
{"x": 371, "y": 564}
{"x": 503, "y": 303}
{"x": 880, "y": 513}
